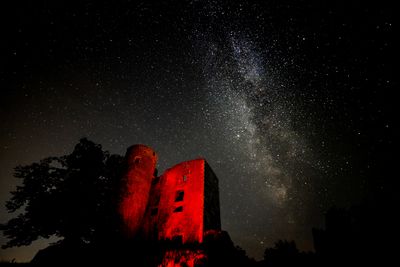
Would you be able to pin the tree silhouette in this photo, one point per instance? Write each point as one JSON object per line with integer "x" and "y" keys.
{"x": 283, "y": 253}
{"x": 72, "y": 197}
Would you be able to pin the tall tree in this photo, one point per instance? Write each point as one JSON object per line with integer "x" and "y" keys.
{"x": 73, "y": 197}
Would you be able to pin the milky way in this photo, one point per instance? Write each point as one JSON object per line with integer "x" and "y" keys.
{"x": 253, "y": 108}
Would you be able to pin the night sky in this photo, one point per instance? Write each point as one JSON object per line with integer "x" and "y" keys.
{"x": 290, "y": 102}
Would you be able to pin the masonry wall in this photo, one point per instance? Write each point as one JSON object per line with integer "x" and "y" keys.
{"x": 183, "y": 203}
{"x": 212, "y": 219}
{"x": 136, "y": 183}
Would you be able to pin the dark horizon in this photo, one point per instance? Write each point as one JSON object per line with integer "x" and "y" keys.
{"x": 291, "y": 103}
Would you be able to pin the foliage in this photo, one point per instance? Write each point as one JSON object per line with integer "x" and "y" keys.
{"x": 71, "y": 196}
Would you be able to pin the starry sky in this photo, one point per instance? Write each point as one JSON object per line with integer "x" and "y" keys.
{"x": 290, "y": 102}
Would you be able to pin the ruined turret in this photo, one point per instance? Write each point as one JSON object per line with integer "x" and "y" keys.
{"x": 136, "y": 183}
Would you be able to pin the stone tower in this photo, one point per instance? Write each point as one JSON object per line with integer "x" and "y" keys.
{"x": 141, "y": 163}
{"x": 183, "y": 204}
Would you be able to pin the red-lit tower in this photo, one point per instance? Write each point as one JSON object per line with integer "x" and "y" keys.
{"x": 141, "y": 163}
{"x": 183, "y": 203}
